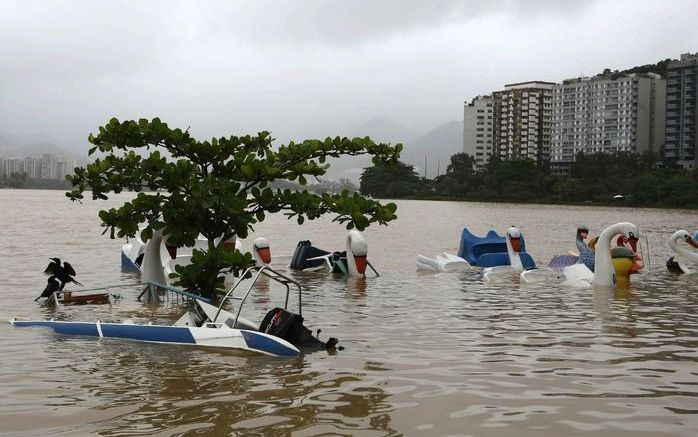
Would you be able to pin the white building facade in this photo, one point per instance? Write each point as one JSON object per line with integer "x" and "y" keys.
{"x": 478, "y": 130}
{"x": 522, "y": 118}
{"x": 681, "y": 141}
{"x": 607, "y": 114}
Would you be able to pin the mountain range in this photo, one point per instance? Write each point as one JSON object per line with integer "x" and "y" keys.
{"x": 436, "y": 147}
{"x": 13, "y": 146}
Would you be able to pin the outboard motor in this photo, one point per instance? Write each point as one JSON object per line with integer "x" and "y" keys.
{"x": 289, "y": 326}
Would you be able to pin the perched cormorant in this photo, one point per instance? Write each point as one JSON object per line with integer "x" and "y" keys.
{"x": 63, "y": 273}
{"x": 52, "y": 286}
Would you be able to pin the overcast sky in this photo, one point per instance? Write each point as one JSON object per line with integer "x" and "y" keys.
{"x": 304, "y": 68}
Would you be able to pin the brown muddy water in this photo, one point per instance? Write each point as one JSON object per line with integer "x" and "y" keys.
{"x": 425, "y": 354}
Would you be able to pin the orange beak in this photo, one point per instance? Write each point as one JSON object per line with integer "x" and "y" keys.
{"x": 265, "y": 254}
{"x": 515, "y": 244}
{"x": 360, "y": 263}
{"x": 692, "y": 242}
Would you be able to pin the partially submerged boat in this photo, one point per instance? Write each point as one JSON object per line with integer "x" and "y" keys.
{"x": 493, "y": 249}
{"x": 135, "y": 250}
{"x": 678, "y": 262}
{"x": 352, "y": 262}
{"x": 77, "y": 298}
{"x": 281, "y": 333}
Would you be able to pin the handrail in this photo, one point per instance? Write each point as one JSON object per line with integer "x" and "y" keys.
{"x": 172, "y": 289}
{"x": 106, "y": 287}
{"x": 268, "y": 272}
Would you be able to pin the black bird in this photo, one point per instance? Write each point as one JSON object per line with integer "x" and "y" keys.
{"x": 63, "y": 273}
{"x": 52, "y": 286}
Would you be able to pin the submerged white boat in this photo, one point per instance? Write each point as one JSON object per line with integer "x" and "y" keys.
{"x": 281, "y": 333}
{"x": 135, "y": 252}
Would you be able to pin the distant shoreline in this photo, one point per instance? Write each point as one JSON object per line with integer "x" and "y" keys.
{"x": 627, "y": 203}
{"x": 621, "y": 204}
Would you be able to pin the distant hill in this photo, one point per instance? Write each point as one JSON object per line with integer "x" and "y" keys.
{"x": 438, "y": 145}
{"x": 385, "y": 129}
{"x": 13, "y": 146}
{"x": 658, "y": 68}
{"x": 380, "y": 129}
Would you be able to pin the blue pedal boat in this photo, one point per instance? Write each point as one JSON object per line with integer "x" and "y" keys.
{"x": 491, "y": 250}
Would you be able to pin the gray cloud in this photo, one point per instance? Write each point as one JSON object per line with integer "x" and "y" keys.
{"x": 303, "y": 68}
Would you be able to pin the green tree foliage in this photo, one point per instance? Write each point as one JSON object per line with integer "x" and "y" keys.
{"x": 16, "y": 180}
{"x": 594, "y": 178}
{"x": 389, "y": 179}
{"x": 458, "y": 180}
{"x": 217, "y": 188}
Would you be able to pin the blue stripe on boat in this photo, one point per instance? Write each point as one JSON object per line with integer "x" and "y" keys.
{"x": 69, "y": 328}
{"x": 127, "y": 265}
{"x": 263, "y": 343}
{"x": 163, "y": 334}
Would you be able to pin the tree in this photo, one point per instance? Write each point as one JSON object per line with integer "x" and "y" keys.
{"x": 389, "y": 179}
{"x": 218, "y": 188}
{"x": 18, "y": 180}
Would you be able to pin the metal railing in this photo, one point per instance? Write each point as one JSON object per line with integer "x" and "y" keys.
{"x": 268, "y": 272}
{"x": 153, "y": 287}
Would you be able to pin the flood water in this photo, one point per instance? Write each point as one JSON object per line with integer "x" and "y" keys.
{"x": 425, "y": 354}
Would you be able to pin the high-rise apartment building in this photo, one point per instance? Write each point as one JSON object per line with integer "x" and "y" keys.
{"x": 681, "y": 145}
{"x": 522, "y": 117}
{"x": 607, "y": 113}
{"x": 14, "y": 165}
{"x": 60, "y": 170}
{"x": 30, "y": 168}
{"x": 478, "y": 130}
{"x": 48, "y": 170}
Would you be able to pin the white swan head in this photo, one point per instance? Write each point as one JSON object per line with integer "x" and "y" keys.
{"x": 357, "y": 250}
{"x": 685, "y": 236}
{"x": 514, "y": 237}
{"x": 261, "y": 251}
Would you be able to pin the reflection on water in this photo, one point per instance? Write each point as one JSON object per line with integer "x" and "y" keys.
{"x": 432, "y": 354}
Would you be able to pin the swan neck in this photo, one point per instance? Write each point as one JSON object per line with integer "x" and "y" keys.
{"x": 351, "y": 262}
{"x": 604, "y": 273}
{"x": 514, "y": 258}
{"x": 152, "y": 269}
{"x": 681, "y": 250}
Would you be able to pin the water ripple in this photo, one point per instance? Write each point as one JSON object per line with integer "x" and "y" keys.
{"x": 426, "y": 354}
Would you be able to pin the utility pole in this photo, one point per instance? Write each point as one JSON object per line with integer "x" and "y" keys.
{"x": 425, "y": 167}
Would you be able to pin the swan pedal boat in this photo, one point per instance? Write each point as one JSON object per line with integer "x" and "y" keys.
{"x": 134, "y": 251}
{"x": 352, "y": 262}
{"x": 205, "y": 325}
{"x": 444, "y": 262}
{"x": 677, "y": 263}
{"x": 492, "y": 250}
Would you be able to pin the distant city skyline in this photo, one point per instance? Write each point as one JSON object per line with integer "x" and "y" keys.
{"x": 36, "y": 166}
{"x": 550, "y": 123}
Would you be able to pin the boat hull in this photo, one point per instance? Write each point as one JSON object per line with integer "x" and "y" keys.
{"x": 127, "y": 264}
{"x": 211, "y": 335}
